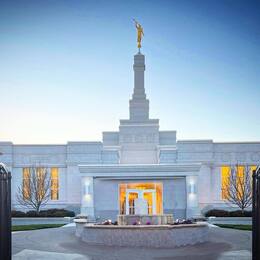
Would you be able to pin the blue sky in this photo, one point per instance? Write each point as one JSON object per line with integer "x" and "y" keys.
{"x": 66, "y": 68}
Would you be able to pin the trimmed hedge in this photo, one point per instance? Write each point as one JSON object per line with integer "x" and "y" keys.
{"x": 225, "y": 213}
{"x": 57, "y": 213}
{"x": 49, "y": 213}
{"x": 238, "y": 213}
{"x": 18, "y": 214}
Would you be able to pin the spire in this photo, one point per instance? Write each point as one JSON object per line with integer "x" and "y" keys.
{"x": 139, "y": 105}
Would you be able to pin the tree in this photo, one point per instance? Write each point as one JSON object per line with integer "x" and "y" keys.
{"x": 238, "y": 186}
{"x": 35, "y": 190}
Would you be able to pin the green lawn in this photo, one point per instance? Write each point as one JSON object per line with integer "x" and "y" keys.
{"x": 35, "y": 226}
{"x": 240, "y": 227}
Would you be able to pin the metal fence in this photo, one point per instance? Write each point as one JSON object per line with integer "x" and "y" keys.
{"x": 256, "y": 215}
{"x": 5, "y": 213}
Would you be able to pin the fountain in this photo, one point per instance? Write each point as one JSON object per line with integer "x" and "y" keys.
{"x": 158, "y": 231}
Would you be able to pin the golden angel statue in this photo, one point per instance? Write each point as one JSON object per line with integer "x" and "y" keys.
{"x": 140, "y": 33}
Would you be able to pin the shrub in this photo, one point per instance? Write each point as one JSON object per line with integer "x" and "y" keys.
{"x": 238, "y": 213}
{"x": 31, "y": 214}
{"x": 56, "y": 213}
{"x": 44, "y": 213}
{"x": 217, "y": 213}
{"x": 225, "y": 213}
{"x": 18, "y": 214}
{"x": 248, "y": 213}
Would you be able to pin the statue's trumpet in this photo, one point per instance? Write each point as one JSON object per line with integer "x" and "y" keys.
{"x": 135, "y": 21}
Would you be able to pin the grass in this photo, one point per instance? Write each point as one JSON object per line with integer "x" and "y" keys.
{"x": 35, "y": 226}
{"x": 240, "y": 227}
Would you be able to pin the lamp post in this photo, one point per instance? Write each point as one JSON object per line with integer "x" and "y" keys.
{"x": 5, "y": 213}
{"x": 256, "y": 215}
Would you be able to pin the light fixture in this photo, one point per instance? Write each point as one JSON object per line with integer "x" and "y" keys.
{"x": 86, "y": 189}
{"x": 192, "y": 188}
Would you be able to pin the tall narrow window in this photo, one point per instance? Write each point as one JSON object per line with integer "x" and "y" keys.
{"x": 238, "y": 181}
{"x": 225, "y": 173}
{"x": 26, "y": 183}
{"x": 54, "y": 184}
{"x": 40, "y": 175}
{"x": 240, "y": 175}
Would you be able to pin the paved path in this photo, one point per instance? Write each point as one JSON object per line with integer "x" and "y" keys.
{"x": 61, "y": 243}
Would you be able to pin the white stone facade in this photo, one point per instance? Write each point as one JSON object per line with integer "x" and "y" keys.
{"x": 90, "y": 172}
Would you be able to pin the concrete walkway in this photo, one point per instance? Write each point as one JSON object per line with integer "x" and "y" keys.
{"x": 61, "y": 243}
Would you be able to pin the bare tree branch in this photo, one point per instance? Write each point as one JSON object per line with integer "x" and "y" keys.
{"x": 238, "y": 186}
{"x": 35, "y": 191}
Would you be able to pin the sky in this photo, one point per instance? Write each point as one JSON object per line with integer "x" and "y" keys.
{"x": 66, "y": 68}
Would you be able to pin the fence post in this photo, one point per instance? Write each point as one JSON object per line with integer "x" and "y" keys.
{"x": 5, "y": 213}
{"x": 256, "y": 215}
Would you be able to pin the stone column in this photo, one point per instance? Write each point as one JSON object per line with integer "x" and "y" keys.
{"x": 87, "y": 197}
{"x": 192, "y": 197}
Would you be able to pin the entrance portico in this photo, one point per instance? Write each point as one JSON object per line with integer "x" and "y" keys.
{"x": 138, "y": 197}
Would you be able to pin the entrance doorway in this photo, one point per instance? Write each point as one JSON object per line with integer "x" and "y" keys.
{"x": 140, "y": 198}
{"x": 140, "y": 202}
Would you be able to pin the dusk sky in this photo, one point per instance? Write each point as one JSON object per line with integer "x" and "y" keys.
{"x": 66, "y": 68}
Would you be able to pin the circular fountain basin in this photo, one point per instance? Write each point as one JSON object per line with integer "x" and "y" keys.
{"x": 158, "y": 236}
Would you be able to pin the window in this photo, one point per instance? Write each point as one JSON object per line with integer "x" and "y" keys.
{"x": 225, "y": 174}
{"x": 240, "y": 171}
{"x": 39, "y": 173}
{"x": 240, "y": 179}
{"x": 54, "y": 184}
{"x": 26, "y": 183}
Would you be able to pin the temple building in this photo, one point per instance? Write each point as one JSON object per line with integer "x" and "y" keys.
{"x": 139, "y": 169}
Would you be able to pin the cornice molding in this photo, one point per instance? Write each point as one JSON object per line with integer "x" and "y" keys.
{"x": 145, "y": 170}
